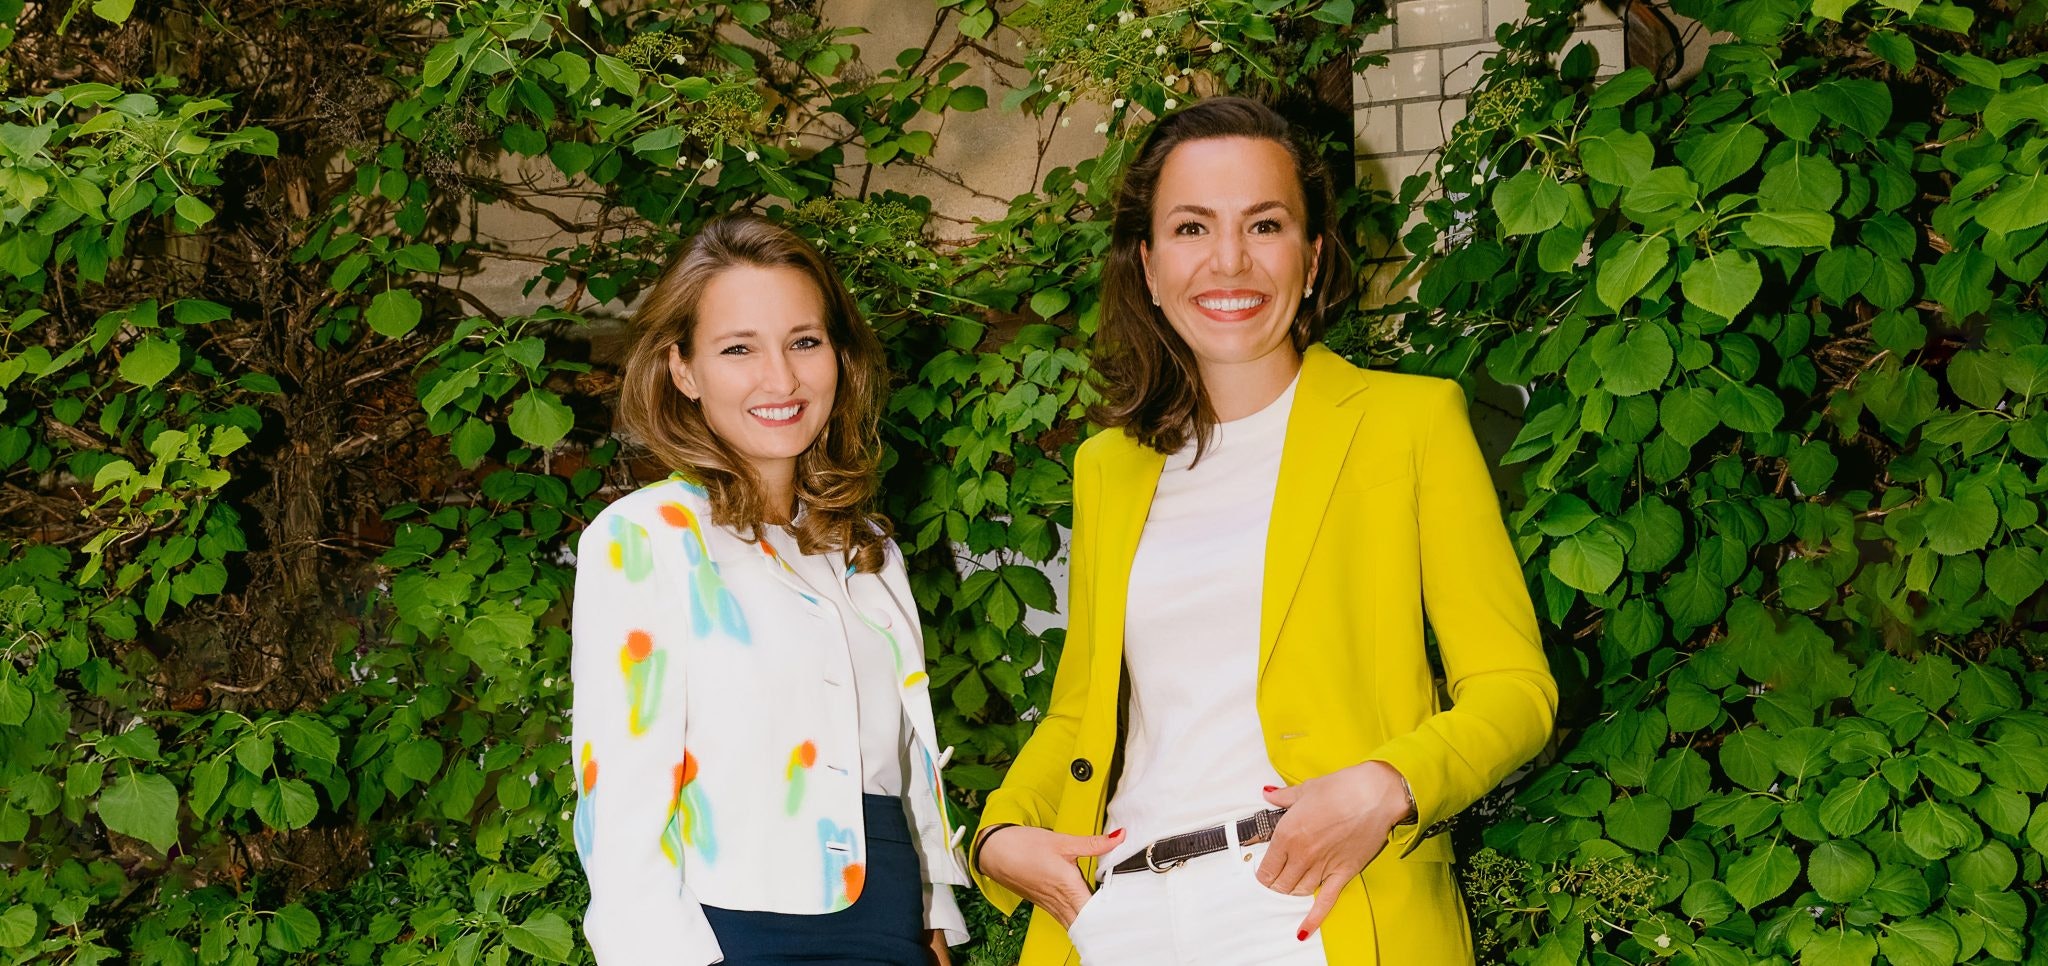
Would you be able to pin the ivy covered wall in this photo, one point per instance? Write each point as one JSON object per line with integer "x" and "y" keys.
{"x": 294, "y": 433}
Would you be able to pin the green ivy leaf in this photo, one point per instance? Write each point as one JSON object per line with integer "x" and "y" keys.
{"x": 1790, "y": 229}
{"x": 544, "y": 935}
{"x": 16, "y": 700}
{"x": 1751, "y": 409}
{"x": 2017, "y": 206}
{"x": 1630, "y": 268}
{"x": 1919, "y": 942}
{"x": 1801, "y": 182}
{"x": 1688, "y": 414}
{"x": 286, "y": 803}
{"x": 1588, "y": 561}
{"x": 2014, "y": 573}
{"x": 418, "y": 759}
{"x": 1934, "y": 829}
{"x": 540, "y": 418}
{"x": 1724, "y": 155}
{"x": 1748, "y": 757}
{"x": 1723, "y": 283}
{"x": 1840, "y": 870}
{"x": 472, "y": 441}
{"x": 1863, "y": 106}
{"x": 1840, "y": 947}
{"x": 310, "y": 738}
{"x": 150, "y": 360}
{"x": 1762, "y": 875}
{"x": 1530, "y": 202}
{"x": 17, "y": 926}
{"x": 143, "y": 805}
{"x": 193, "y": 210}
{"x": 2011, "y": 109}
{"x": 393, "y": 313}
{"x": 1962, "y": 524}
{"x": 617, "y": 75}
{"x": 1641, "y": 822}
{"x": 293, "y": 929}
{"x": 1638, "y": 363}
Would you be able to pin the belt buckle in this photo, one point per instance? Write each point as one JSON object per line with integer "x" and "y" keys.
{"x": 1154, "y": 866}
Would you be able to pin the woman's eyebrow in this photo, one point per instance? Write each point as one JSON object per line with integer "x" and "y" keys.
{"x": 1211, "y": 213}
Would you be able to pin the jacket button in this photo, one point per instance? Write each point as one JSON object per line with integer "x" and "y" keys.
{"x": 1081, "y": 769}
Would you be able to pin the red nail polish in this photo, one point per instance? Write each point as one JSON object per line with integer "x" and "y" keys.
{"x": 1116, "y": 833}
{"x": 1301, "y": 937}
{"x": 1270, "y": 788}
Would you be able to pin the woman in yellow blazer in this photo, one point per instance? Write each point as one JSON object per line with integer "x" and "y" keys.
{"x": 1222, "y": 274}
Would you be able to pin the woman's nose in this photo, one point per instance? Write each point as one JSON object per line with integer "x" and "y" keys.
{"x": 1230, "y": 256}
{"x": 781, "y": 374}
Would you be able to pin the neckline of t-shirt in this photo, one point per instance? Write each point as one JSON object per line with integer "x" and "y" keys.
{"x": 1267, "y": 413}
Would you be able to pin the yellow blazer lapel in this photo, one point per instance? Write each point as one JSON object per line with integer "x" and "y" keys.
{"x": 1319, "y": 432}
{"x": 1130, "y": 475}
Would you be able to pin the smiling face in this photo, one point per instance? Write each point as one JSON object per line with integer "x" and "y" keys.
{"x": 761, "y": 366}
{"x": 1230, "y": 257}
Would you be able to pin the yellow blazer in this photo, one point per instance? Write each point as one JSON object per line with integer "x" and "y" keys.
{"x": 1384, "y": 513}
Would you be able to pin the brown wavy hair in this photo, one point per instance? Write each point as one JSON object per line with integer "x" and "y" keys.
{"x": 836, "y": 476}
{"x": 1150, "y": 383}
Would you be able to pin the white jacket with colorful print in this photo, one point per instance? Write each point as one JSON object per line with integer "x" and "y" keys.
{"x": 716, "y": 740}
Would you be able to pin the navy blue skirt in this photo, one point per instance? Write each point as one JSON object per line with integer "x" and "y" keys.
{"x": 884, "y": 926}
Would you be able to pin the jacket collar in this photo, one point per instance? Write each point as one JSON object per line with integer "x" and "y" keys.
{"x": 1328, "y": 404}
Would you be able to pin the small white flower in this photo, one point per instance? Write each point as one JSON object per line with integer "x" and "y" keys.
{"x": 1066, "y": 95}
{"x": 682, "y": 160}
{"x": 680, "y": 60}
{"x": 1171, "y": 104}
{"x": 1596, "y": 937}
{"x": 1146, "y": 33}
{"x": 547, "y": 682}
{"x": 1041, "y": 73}
{"x": 597, "y": 102}
{"x": 1102, "y": 128}
{"x": 1066, "y": 122}
{"x": 1216, "y": 47}
{"x": 1126, "y": 17}
{"x": 710, "y": 163}
{"x": 1118, "y": 103}
{"x": 794, "y": 140}
{"x": 753, "y": 156}
{"x": 1170, "y": 79}
{"x": 932, "y": 266}
{"x": 1160, "y": 50}
{"x": 1663, "y": 940}
{"x": 1091, "y": 28}
{"x": 910, "y": 246}
{"x": 585, "y": 4}
{"x": 1020, "y": 45}
{"x": 566, "y": 816}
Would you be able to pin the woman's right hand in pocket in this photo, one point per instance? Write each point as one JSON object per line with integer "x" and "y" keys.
{"x": 1038, "y": 864}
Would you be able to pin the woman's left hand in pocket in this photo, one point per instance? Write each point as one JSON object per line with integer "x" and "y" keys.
{"x": 1334, "y": 825}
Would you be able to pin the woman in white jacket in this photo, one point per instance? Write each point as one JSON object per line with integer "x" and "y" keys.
{"x": 755, "y": 756}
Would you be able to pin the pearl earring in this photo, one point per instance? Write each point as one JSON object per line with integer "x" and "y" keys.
{"x": 1308, "y": 290}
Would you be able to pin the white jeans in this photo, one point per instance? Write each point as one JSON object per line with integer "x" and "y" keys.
{"x": 1210, "y": 912}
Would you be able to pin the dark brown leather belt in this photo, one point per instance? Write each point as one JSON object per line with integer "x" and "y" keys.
{"x": 1172, "y": 850}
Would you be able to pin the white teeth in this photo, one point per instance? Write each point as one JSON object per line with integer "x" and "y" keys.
{"x": 1232, "y": 305}
{"x": 778, "y": 413}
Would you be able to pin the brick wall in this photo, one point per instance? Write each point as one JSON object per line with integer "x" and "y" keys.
{"x": 1404, "y": 110}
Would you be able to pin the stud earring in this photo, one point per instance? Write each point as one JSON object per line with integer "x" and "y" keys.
{"x": 1308, "y": 290}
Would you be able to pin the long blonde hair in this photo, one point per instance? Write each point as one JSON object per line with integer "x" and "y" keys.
{"x": 836, "y": 476}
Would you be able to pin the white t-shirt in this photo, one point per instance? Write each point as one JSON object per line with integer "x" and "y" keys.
{"x": 1195, "y": 756}
{"x": 884, "y": 766}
